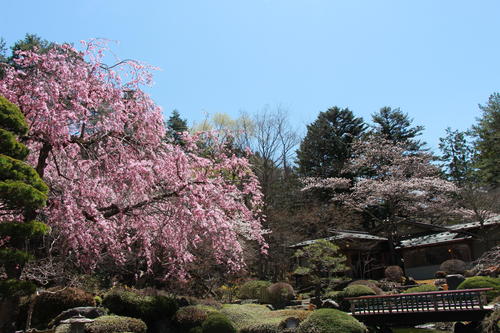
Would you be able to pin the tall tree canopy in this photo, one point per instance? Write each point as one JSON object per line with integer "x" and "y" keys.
{"x": 117, "y": 188}
{"x": 457, "y": 156}
{"x": 176, "y": 126}
{"x": 392, "y": 187}
{"x": 487, "y": 144}
{"x": 327, "y": 144}
{"x": 396, "y": 126}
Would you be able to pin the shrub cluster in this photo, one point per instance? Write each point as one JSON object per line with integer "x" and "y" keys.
{"x": 394, "y": 273}
{"x": 453, "y": 266}
{"x": 254, "y": 289}
{"x": 421, "y": 289}
{"x": 191, "y": 316}
{"x": 53, "y": 301}
{"x": 148, "y": 308}
{"x": 278, "y": 295}
{"x": 329, "y": 321}
{"x": 372, "y": 284}
{"x": 217, "y": 323}
{"x": 483, "y": 282}
{"x": 111, "y": 324}
{"x": 352, "y": 291}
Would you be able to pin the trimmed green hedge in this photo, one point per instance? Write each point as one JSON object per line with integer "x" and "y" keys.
{"x": 331, "y": 321}
{"x": 353, "y": 291}
{"x": 217, "y": 323}
{"x": 148, "y": 308}
{"x": 483, "y": 282}
{"x": 111, "y": 324}
{"x": 421, "y": 289}
{"x": 254, "y": 289}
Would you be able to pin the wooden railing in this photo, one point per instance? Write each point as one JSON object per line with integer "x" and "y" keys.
{"x": 434, "y": 301}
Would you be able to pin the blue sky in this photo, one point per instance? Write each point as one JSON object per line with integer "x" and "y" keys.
{"x": 435, "y": 59}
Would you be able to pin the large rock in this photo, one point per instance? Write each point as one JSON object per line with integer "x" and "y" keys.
{"x": 85, "y": 311}
{"x": 453, "y": 280}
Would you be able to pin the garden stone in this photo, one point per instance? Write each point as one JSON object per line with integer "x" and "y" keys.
{"x": 249, "y": 301}
{"x": 329, "y": 304}
{"x": 270, "y": 307}
{"x": 453, "y": 280}
{"x": 290, "y": 322}
{"x": 84, "y": 311}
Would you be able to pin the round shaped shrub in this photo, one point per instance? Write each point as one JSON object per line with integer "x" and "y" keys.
{"x": 253, "y": 289}
{"x": 191, "y": 316}
{"x": 421, "y": 289}
{"x": 148, "y": 308}
{"x": 453, "y": 266}
{"x": 331, "y": 321}
{"x": 483, "y": 282}
{"x": 55, "y": 300}
{"x": 370, "y": 284}
{"x": 217, "y": 323}
{"x": 111, "y": 324}
{"x": 353, "y": 291}
{"x": 440, "y": 274}
{"x": 394, "y": 273}
{"x": 279, "y": 294}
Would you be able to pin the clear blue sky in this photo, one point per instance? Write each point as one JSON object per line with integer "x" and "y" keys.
{"x": 436, "y": 59}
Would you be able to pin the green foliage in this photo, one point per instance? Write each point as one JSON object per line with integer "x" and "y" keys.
{"x": 323, "y": 260}
{"x": 53, "y": 301}
{"x": 421, "y": 289}
{"x": 487, "y": 143}
{"x": 113, "y": 324}
{"x": 278, "y": 294}
{"x": 14, "y": 256}
{"x": 353, "y": 291}
{"x": 394, "y": 273}
{"x": 17, "y": 288}
{"x": 457, "y": 156}
{"x": 372, "y": 284}
{"x": 327, "y": 144}
{"x": 175, "y": 126}
{"x": 11, "y": 118}
{"x": 20, "y": 231}
{"x": 217, "y": 323}
{"x": 483, "y": 282}
{"x": 395, "y": 125}
{"x": 11, "y": 147}
{"x": 148, "y": 308}
{"x": 258, "y": 318}
{"x": 254, "y": 289}
{"x": 191, "y": 316}
{"x": 331, "y": 321}
{"x": 453, "y": 266}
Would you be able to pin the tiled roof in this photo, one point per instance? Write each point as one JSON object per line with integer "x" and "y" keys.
{"x": 342, "y": 235}
{"x": 441, "y": 237}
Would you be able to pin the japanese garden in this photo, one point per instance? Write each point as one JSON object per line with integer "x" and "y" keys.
{"x": 118, "y": 216}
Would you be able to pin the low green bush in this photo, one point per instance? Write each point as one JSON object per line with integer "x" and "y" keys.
{"x": 352, "y": 291}
{"x": 217, "y": 323}
{"x": 369, "y": 283}
{"x": 52, "y": 302}
{"x": 112, "y": 324}
{"x": 453, "y": 266}
{"x": 330, "y": 321}
{"x": 191, "y": 316}
{"x": 278, "y": 295}
{"x": 253, "y": 289}
{"x": 421, "y": 289}
{"x": 483, "y": 282}
{"x": 132, "y": 304}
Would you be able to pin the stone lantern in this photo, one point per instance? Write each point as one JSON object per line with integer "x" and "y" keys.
{"x": 77, "y": 323}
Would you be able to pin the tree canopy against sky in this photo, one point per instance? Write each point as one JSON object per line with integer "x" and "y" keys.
{"x": 327, "y": 144}
{"x": 487, "y": 144}
{"x": 396, "y": 126}
{"x": 116, "y": 188}
{"x": 391, "y": 186}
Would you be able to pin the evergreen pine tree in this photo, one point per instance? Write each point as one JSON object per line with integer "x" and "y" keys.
{"x": 327, "y": 144}
{"x": 22, "y": 192}
{"x": 175, "y": 126}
